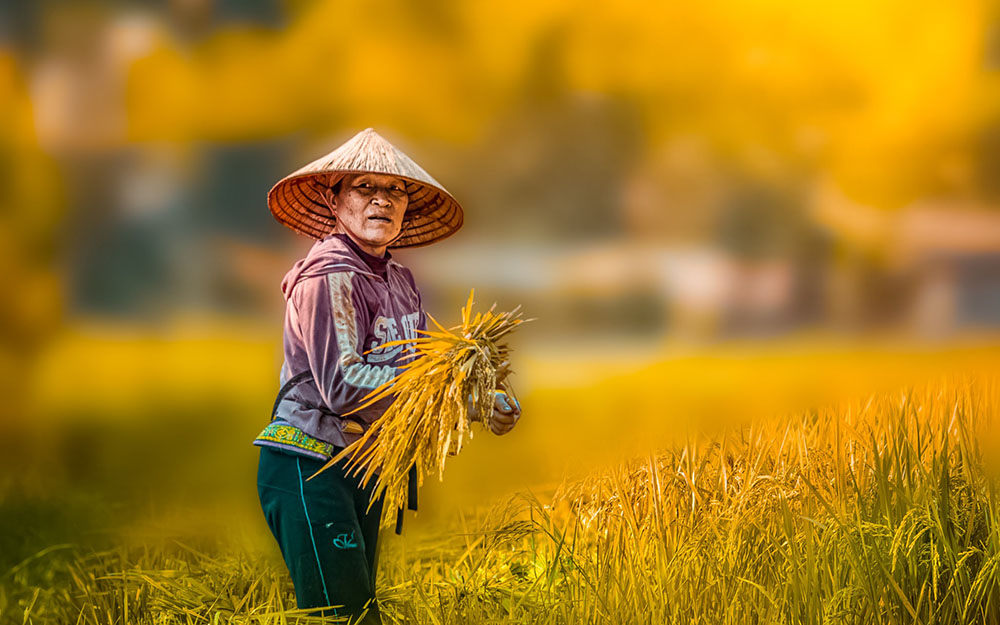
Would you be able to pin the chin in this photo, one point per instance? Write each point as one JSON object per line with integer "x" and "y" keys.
{"x": 379, "y": 239}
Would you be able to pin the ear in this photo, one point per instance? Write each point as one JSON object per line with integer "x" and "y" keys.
{"x": 331, "y": 200}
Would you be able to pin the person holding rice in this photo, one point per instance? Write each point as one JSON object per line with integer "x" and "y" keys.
{"x": 344, "y": 300}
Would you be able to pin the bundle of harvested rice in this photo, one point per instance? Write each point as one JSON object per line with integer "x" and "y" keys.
{"x": 430, "y": 417}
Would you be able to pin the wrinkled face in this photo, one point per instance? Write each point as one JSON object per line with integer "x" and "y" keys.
{"x": 369, "y": 209}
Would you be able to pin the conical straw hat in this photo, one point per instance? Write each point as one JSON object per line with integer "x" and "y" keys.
{"x": 297, "y": 199}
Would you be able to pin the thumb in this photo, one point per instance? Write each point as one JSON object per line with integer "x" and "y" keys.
{"x": 508, "y": 403}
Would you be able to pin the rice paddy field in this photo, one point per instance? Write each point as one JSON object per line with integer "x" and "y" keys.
{"x": 804, "y": 482}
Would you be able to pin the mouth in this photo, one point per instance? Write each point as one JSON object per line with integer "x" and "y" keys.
{"x": 380, "y": 218}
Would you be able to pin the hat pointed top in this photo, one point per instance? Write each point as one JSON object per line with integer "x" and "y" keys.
{"x": 369, "y": 152}
{"x": 432, "y": 213}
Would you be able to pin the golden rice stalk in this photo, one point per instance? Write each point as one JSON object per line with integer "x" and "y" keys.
{"x": 429, "y": 419}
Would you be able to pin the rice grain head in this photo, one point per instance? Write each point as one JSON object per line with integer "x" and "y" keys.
{"x": 430, "y": 416}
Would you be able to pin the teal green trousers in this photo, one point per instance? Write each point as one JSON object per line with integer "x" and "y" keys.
{"x": 327, "y": 537}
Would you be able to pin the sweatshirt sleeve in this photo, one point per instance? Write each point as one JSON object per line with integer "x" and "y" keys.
{"x": 422, "y": 323}
{"x": 333, "y": 318}
{"x": 422, "y": 315}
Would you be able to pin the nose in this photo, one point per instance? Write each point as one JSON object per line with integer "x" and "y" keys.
{"x": 380, "y": 199}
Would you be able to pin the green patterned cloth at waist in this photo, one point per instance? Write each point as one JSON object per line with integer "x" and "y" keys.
{"x": 283, "y": 435}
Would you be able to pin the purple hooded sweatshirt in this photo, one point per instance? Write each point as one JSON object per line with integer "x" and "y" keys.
{"x": 340, "y": 303}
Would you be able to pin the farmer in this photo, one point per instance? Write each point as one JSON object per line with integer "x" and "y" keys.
{"x": 343, "y": 300}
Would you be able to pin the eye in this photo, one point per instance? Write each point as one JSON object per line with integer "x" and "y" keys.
{"x": 363, "y": 185}
{"x": 395, "y": 187}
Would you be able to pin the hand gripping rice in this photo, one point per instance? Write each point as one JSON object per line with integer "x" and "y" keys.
{"x": 430, "y": 417}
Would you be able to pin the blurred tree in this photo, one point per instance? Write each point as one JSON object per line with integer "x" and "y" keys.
{"x": 987, "y": 159}
{"x": 555, "y": 163}
{"x": 30, "y": 241}
{"x": 553, "y": 115}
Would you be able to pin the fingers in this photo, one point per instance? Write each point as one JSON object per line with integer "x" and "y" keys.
{"x": 503, "y": 422}
{"x": 506, "y": 412}
{"x": 504, "y": 418}
{"x": 500, "y": 429}
{"x": 502, "y": 404}
{"x": 506, "y": 404}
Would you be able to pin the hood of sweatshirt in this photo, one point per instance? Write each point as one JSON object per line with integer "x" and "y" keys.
{"x": 330, "y": 255}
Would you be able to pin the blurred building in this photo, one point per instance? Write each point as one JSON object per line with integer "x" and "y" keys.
{"x": 932, "y": 268}
{"x": 951, "y": 252}
{"x": 618, "y": 288}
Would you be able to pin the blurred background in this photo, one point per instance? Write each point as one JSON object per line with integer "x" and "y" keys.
{"x": 712, "y": 209}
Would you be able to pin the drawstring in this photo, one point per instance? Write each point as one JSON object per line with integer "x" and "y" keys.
{"x": 411, "y": 478}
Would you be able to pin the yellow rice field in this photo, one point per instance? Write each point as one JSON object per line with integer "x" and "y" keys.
{"x": 797, "y": 483}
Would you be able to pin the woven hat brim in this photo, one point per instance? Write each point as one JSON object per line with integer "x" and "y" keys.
{"x": 431, "y": 214}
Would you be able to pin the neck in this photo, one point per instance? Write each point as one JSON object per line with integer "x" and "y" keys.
{"x": 374, "y": 251}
